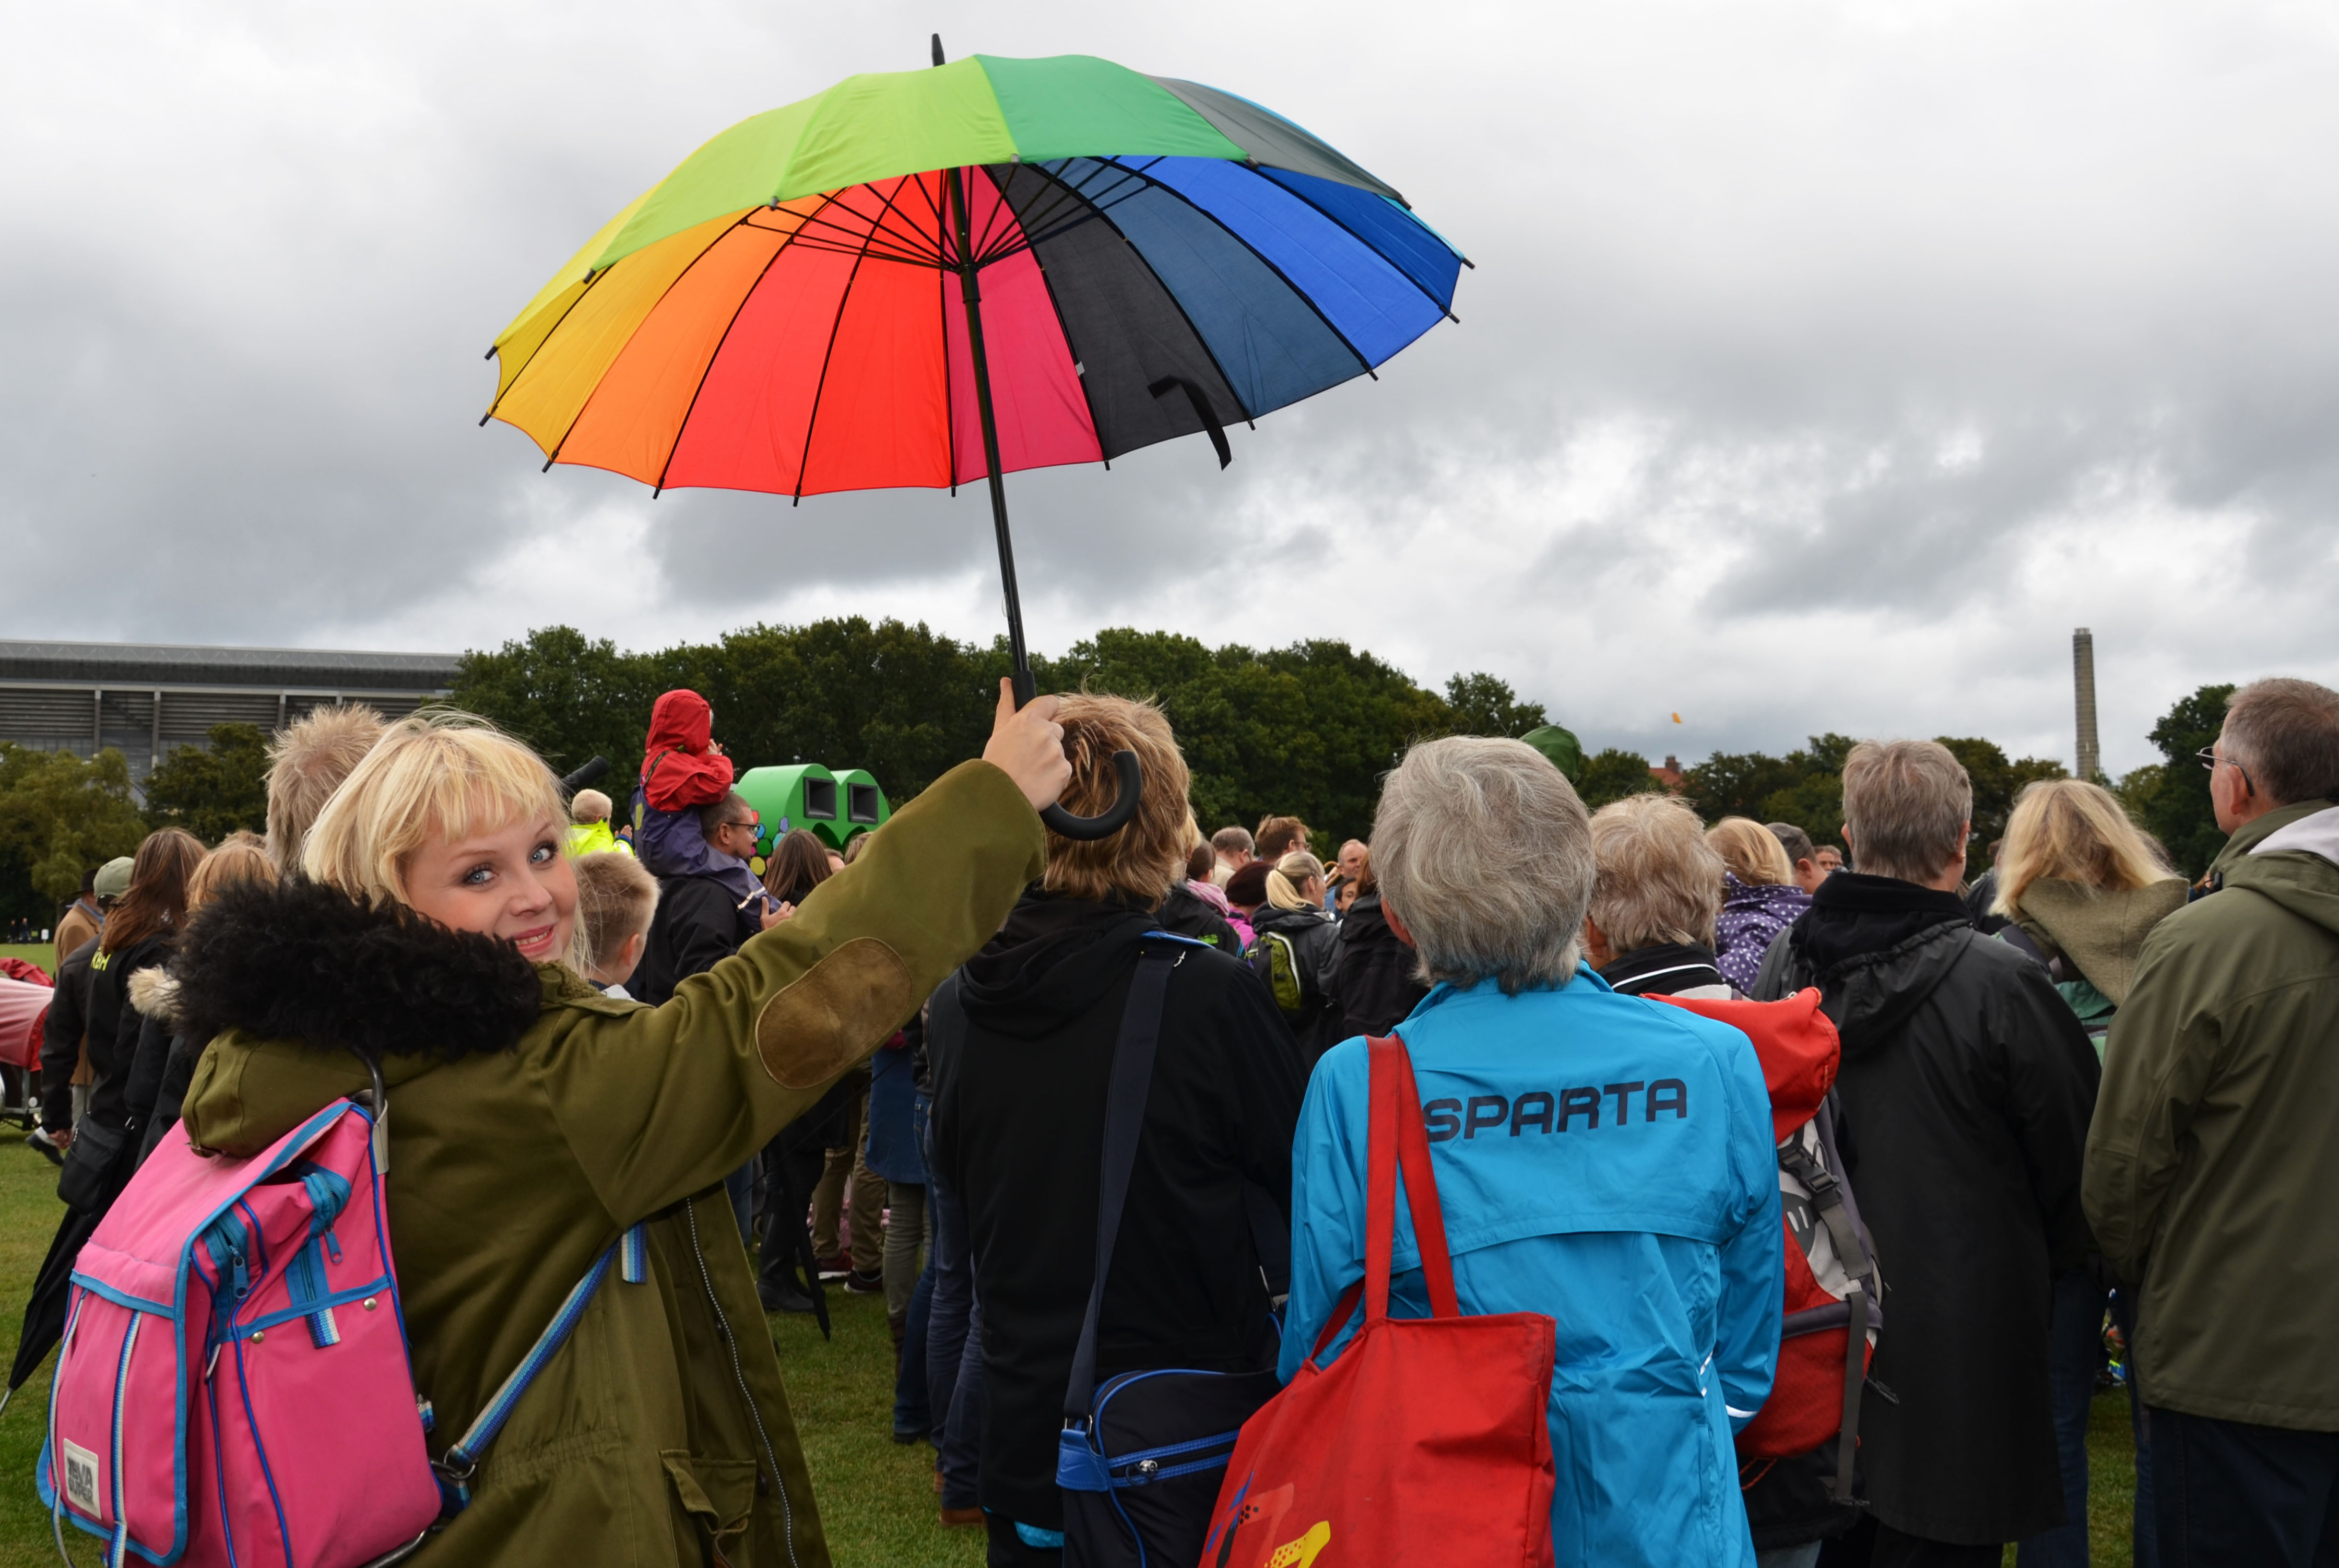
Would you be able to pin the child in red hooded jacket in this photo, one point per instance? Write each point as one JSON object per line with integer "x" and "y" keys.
{"x": 683, "y": 770}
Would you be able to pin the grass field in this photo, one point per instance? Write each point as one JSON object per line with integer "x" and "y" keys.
{"x": 876, "y": 1497}
{"x": 39, "y": 953}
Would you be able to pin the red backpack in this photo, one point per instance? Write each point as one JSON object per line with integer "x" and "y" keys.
{"x": 1428, "y": 1440}
{"x": 1834, "y": 1287}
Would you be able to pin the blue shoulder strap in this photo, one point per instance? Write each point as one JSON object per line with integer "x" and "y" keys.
{"x": 461, "y": 1463}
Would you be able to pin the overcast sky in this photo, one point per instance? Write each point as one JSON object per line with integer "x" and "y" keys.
{"x": 1824, "y": 365}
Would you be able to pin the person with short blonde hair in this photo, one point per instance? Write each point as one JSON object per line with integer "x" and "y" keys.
{"x": 1295, "y": 942}
{"x": 589, "y": 832}
{"x": 307, "y": 762}
{"x": 1023, "y": 1041}
{"x": 1655, "y": 899}
{"x": 1967, "y": 1085}
{"x": 1600, "y": 1159}
{"x": 1762, "y": 895}
{"x": 426, "y": 940}
{"x": 616, "y": 901}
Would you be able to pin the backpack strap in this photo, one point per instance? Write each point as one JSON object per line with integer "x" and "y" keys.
{"x": 1124, "y": 1119}
{"x": 461, "y": 1463}
{"x": 1828, "y": 1201}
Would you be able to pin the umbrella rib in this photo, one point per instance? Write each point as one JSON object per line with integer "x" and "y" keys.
{"x": 1305, "y": 297}
{"x": 1175, "y": 303}
{"x": 1080, "y": 372}
{"x": 708, "y": 369}
{"x": 578, "y": 418}
{"x": 836, "y": 325}
{"x": 1444, "y": 307}
{"x": 497, "y": 401}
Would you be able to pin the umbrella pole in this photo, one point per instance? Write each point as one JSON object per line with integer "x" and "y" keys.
{"x": 1131, "y": 779}
{"x": 1026, "y": 687}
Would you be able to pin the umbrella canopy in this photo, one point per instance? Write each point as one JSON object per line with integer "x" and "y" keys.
{"x": 787, "y": 311}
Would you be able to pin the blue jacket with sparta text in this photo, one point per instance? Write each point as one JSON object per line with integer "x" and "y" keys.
{"x": 1607, "y": 1161}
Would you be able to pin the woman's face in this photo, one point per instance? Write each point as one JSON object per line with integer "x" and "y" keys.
{"x": 511, "y": 882}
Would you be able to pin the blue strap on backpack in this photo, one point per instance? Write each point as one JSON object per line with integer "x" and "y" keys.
{"x": 461, "y": 1463}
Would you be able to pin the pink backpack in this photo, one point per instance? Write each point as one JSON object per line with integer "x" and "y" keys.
{"x": 233, "y": 1388}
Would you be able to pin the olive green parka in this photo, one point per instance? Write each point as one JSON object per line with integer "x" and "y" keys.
{"x": 2212, "y": 1175}
{"x": 532, "y": 1120}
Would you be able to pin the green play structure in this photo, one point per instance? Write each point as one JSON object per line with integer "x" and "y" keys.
{"x": 835, "y": 807}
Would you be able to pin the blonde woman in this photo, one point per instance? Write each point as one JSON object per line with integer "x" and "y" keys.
{"x": 1760, "y": 897}
{"x": 2083, "y": 886}
{"x": 533, "y": 1120}
{"x": 1295, "y": 942}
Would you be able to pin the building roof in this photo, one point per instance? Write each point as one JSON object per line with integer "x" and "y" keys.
{"x": 170, "y": 664}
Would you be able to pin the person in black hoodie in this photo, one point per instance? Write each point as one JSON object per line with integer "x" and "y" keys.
{"x": 1374, "y": 981}
{"x": 1968, "y": 1085}
{"x": 1018, "y": 1129}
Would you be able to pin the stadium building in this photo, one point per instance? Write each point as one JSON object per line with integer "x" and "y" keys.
{"x": 145, "y": 699}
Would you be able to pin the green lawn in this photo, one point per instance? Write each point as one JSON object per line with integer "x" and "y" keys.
{"x": 39, "y": 953}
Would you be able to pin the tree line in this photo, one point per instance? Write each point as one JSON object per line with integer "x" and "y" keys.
{"x": 1306, "y": 730}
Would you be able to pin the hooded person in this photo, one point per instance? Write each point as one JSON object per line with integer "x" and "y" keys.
{"x": 684, "y": 771}
{"x": 1967, "y": 1085}
{"x": 1023, "y": 1046}
{"x": 534, "y": 1120}
{"x": 1373, "y": 977}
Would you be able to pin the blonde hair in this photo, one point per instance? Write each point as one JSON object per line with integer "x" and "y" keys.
{"x": 241, "y": 857}
{"x": 1290, "y": 875}
{"x": 589, "y": 805}
{"x": 1146, "y": 859}
{"x": 616, "y": 901}
{"x": 1751, "y": 851}
{"x": 306, "y": 763}
{"x": 2068, "y": 830}
{"x": 1658, "y": 880}
{"x": 436, "y": 775}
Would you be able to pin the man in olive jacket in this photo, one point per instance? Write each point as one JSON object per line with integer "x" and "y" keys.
{"x": 2213, "y": 1166}
{"x": 533, "y": 1119}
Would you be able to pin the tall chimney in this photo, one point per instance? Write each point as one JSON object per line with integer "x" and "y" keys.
{"x": 2083, "y": 680}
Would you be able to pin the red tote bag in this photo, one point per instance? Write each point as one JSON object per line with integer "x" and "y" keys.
{"x": 1427, "y": 1440}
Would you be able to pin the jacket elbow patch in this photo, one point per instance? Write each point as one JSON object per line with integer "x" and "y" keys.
{"x": 836, "y": 1013}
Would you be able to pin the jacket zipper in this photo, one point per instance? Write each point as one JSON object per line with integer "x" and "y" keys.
{"x": 739, "y": 1373}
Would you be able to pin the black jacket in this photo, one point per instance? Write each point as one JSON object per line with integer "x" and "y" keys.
{"x": 1372, "y": 972}
{"x": 1666, "y": 968}
{"x": 1313, "y": 936}
{"x": 1186, "y": 912}
{"x": 1019, "y": 1135}
{"x": 698, "y": 925}
{"x": 61, "y": 1033}
{"x": 1968, "y": 1085}
{"x": 114, "y": 1027}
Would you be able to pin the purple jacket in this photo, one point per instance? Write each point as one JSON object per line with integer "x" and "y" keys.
{"x": 1752, "y": 915}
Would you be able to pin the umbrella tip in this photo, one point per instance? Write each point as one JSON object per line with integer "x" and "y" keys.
{"x": 938, "y": 48}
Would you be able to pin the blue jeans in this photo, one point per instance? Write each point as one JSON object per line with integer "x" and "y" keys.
{"x": 740, "y": 1188}
{"x": 912, "y": 1406}
{"x": 2075, "y": 1351}
{"x": 953, "y": 1341}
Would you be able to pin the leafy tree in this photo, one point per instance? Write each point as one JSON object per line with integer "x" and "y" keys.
{"x": 569, "y": 697}
{"x": 211, "y": 794}
{"x": 2175, "y": 806}
{"x": 64, "y": 816}
{"x": 1804, "y": 787}
{"x": 1484, "y": 705}
{"x": 1996, "y": 783}
{"x": 1613, "y": 775}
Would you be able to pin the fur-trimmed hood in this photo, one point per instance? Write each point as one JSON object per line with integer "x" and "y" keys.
{"x": 303, "y": 961}
{"x": 155, "y": 994}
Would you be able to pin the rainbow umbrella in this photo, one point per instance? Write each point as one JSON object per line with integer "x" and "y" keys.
{"x": 926, "y": 278}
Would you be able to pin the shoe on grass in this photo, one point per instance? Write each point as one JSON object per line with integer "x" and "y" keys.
{"x": 959, "y": 1518}
{"x": 39, "y": 1139}
{"x": 859, "y": 1283}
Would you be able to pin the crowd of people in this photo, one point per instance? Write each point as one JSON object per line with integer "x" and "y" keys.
{"x": 2081, "y": 1102}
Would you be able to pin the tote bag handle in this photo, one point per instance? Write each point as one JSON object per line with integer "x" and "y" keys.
{"x": 1396, "y": 1139}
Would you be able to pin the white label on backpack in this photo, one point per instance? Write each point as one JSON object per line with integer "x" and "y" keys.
{"x": 80, "y": 1478}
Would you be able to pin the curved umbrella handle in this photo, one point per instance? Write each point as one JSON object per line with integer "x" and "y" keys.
{"x": 1110, "y": 820}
